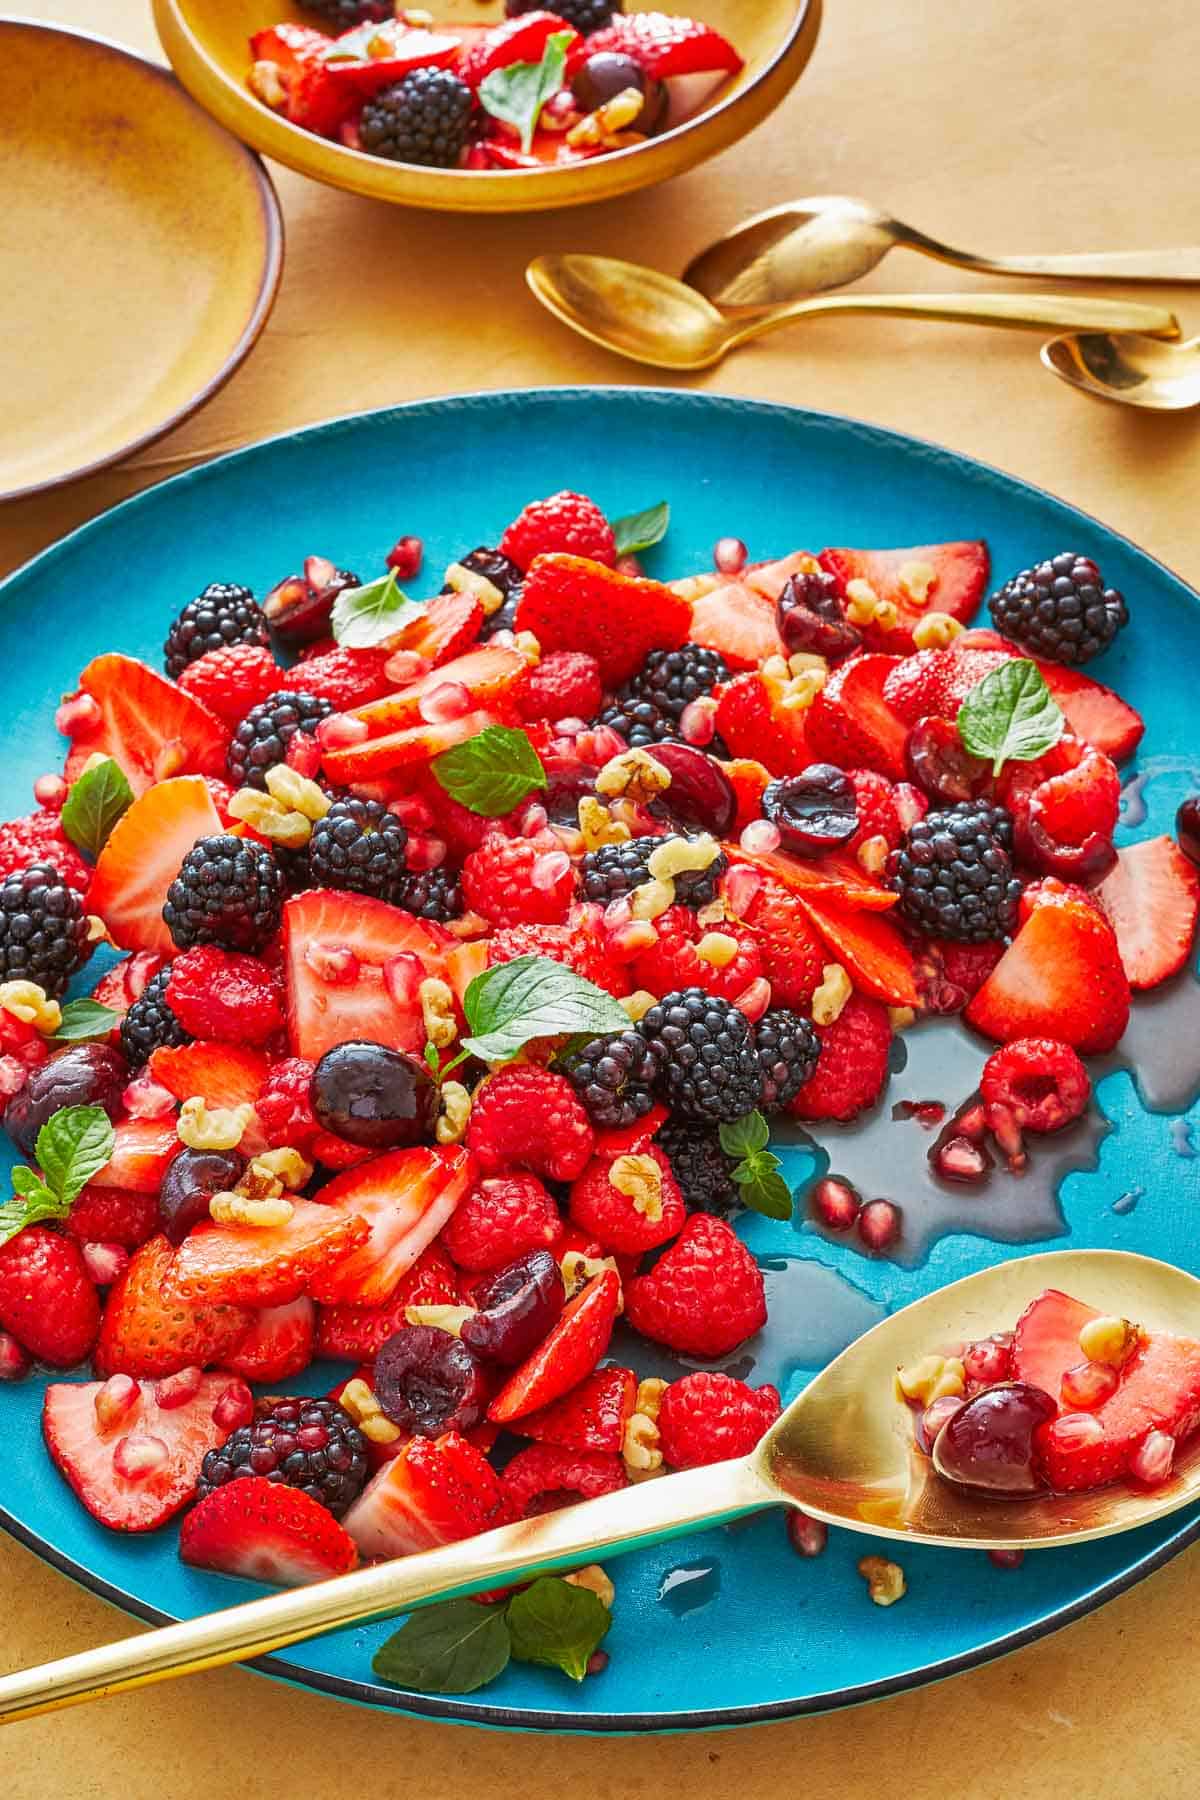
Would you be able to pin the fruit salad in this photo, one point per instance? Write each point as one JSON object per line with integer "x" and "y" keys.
{"x": 543, "y": 89}
{"x": 1072, "y": 1399}
{"x": 460, "y": 956}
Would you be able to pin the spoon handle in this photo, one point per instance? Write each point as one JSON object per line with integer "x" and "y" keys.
{"x": 632, "y": 1517}
{"x": 1058, "y": 311}
{"x": 1099, "y": 265}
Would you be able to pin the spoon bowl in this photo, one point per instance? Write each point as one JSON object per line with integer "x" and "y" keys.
{"x": 1129, "y": 368}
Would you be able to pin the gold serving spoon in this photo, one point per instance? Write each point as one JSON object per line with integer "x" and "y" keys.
{"x": 652, "y": 318}
{"x": 1129, "y": 368}
{"x": 830, "y": 240}
{"x": 842, "y": 1452}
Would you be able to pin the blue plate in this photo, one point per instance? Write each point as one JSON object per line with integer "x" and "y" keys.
{"x": 744, "y": 1629}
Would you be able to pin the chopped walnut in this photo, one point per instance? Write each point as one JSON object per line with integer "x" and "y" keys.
{"x": 265, "y": 81}
{"x": 651, "y": 900}
{"x": 287, "y": 1165}
{"x": 29, "y": 1003}
{"x": 830, "y": 998}
{"x": 649, "y": 1396}
{"x": 578, "y": 1270}
{"x": 935, "y": 631}
{"x": 717, "y": 949}
{"x": 607, "y": 125}
{"x": 635, "y": 775}
{"x": 594, "y": 1579}
{"x": 442, "y": 1318}
{"x": 221, "y": 1129}
{"x": 640, "y": 1179}
{"x": 640, "y": 1447}
{"x": 297, "y": 792}
{"x": 1109, "y": 1340}
{"x": 456, "y": 1110}
{"x": 598, "y": 826}
{"x": 681, "y": 856}
{"x": 885, "y": 1580}
{"x": 240, "y": 1209}
{"x": 461, "y": 580}
{"x": 437, "y": 1011}
{"x": 873, "y": 853}
{"x": 638, "y": 1004}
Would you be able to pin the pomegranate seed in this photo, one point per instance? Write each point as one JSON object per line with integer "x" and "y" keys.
{"x": 50, "y": 791}
{"x": 808, "y": 1537}
{"x": 597, "y": 1662}
{"x": 988, "y": 1361}
{"x": 105, "y": 1263}
{"x": 13, "y": 1076}
{"x": 1002, "y": 1123}
{"x": 938, "y": 1413}
{"x": 1151, "y": 1462}
{"x": 138, "y": 1456}
{"x": 760, "y": 838}
{"x": 879, "y": 1224}
{"x": 333, "y": 963}
{"x": 1076, "y": 1431}
{"x": 569, "y": 728}
{"x": 617, "y": 914}
{"x": 549, "y": 870}
{"x": 698, "y": 722}
{"x": 405, "y": 666}
{"x": 910, "y": 803}
{"x": 13, "y": 1361}
{"x": 402, "y": 977}
{"x": 339, "y": 731}
{"x": 145, "y": 1098}
{"x": 449, "y": 700}
{"x": 78, "y": 715}
{"x": 835, "y": 1203}
{"x": 971, "y": 1123}
{"x": 599, "y": 745}
{"x": 1088, "y": 1385}
{"x": 958, "y": 1159}
{"x": 630, "y": 566}
{"x": 1006, "y": 1559}
{"x": 413, "y": 812}
{"x": 754, "y": 1000}
{"x": 424, "y": 851}
{"x": 177, "y": 1390}
{"x": 729, "y": 556}
{"x": 534, "y": 820}
{"x": 304, "y": 754}
{"x": 234, "y": 1407}
{"x": 405, "y": 557}
{"x": 116, "y": 1400}
{"x": 740, "y": 887}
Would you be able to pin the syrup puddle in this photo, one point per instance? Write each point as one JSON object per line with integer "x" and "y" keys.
{"x": 692, "y": 1585}
{"x": 1181, "y": 1139}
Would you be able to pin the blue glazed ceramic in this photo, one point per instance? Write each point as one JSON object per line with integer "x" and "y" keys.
{"x": 730, "y": 1627}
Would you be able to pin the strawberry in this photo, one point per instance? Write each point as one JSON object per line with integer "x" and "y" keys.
{"x": 749, "y": 780}
{"x": 704, "y": 1296}
{"x": 465, "y": 961}
{"x": 543, "y": 1477}
{"x": 348, "y": 968}
{"x": 770, "y": 578}
{"x": 738, "y": 622}
{"x": 666, "y": 45}
{"x": 853, "y": 1066}
{"x": 1094, "y": 713}
{"x": 548, "y": 148}
{"x": 563, "y": 685}
{"x": 623, "y": 1140}
{"x": 934, "y": 683}
{"x": 1046, "y": 1339}
{"x": 675, "y": 961}
{"x": 436, "y": 1491}
{"x": 448, "y": 626}
{"x": 359, "y": 1331}
{"x": 395, "y": 50}
{"x": 416, "y": 744}
{"x": 519, "y": 40}
{"x": 868, "y": 946}
{"x": 46, "y": 1299}
{"x": 571, "y": 1351}
{"x": 98, "y": 1464}
{"x": 126, "y": 981}
{"x": 141, "y": 1152}
{"x": 960, "y": 573}
{"x": 793, "y": 957}
{"x": 755, "y": 724}
{"x": 247, "y": 1265}
{"x": 146, "y": 1333}
{"x": 830, "y": 878}
{"x": 277, "y": 1344}
{"x": 1061, "y": 977}
{"x": 264, "y": 1531}
{"x": 146, "y": 724}
{"x": 403, "y": 1199}
{"x": 500, "y": 1220}
{"x": 113, "y": 1215}
{"x": 231, "y": 680}
{"x": 707, "y": 1417}
{"x": 222, "y": 1075}
{"x": 40, "y": 838}
{"x": 575, "y": 603}
{"x": 592, "y": 1416}
{"x": 142, "y": 857}
{"x": 578, "y": 945}
{"x": 1152, "y": 898}
{"x": 630, "y": 1223}
{"x": 488, "y": 672}
{"x": 851, "y": 723}
{"x": 222, "y": 994}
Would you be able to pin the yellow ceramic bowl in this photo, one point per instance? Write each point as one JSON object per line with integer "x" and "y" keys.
{"x": 140, "y": 254}
{"x": 207, "y": 42}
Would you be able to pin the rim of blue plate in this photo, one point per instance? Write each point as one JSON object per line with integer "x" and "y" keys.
{"x": 460, "y": 1711}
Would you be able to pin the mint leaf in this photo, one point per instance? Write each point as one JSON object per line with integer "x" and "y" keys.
{"x": 73, "y": 1145}
{"x": 558, "y": 1624}
{"x": 533, "y": 997}
{"x": 642, "y": 530}
{"x": 433, "y": 1061}
{"x": 365, "y": 617}
{"x": 757, "y": 1169}
{"x": 93, "y": 806}
{"x": 452, "y": 1648}
{"x": 741, "y": 1137}
{"x": 1010, "y": 716}
{"x": 84, "y": 1019}
{"x": 36, "y": 1207}
{"x": 518, "y": 92}
{"x": 490, "y": 773}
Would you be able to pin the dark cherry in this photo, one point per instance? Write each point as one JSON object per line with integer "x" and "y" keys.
{"x": 941, "y": 767}
{"x": 191, "y": 1180}
{"x": 811, "y": 616}
{"x": 1187, "y": 828}
{"x": 606, "y": 74}
{"x": 814, "y": 811}
{"x": 298, "y": 609}
{"x": 378, "y": 1098}
{"x": 701, "y": 796}
{"x": 428, "y": 1382}
{"x": 85, "y": 1075}
{"x": 564, "y": 791}
{"x": 988, "y": 1443}
{"x": 518, "y": 1305}
{"x": 1084, "y": 864}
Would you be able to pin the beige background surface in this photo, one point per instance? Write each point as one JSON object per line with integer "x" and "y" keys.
{"x": 1007, "y": 125}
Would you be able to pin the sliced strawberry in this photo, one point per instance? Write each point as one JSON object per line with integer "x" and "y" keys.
{"x": 141, "y": 1152}
{"x": 359, "y": 1331}
{"x": 593, "y": 1416}
{"x": 960, "y": 573}
{"x": 92, "y": 1460}
{"x": 1152, "y": 899}
{"x": 1061, "y": 977}
{"x": 666, "y": 45}
{"x": 146, "y": 724}
{"x": 770, "y": 578}
{"x": 290, "y": 47}
{"x": 825, "y": 876}
{"x": 404, "y": 1198}
{"x": 571, "y": 1351}
{"x": 1094, "y": 713}
{"x": 416, "y": 744}
{"x": 622, "y": 1140}
{"x": 738, "y": 622}
{"x": 126, "y": 981}
{"x": 572, "y": 603}
{"x": 1046, "y": 1339}
{"x": 248, "y": 1265}
{"x": 850, "y": 722}
{"x": 436, "y": 1491}
{"x": 264, "y": 1531}
{"x": 146, "y": 1333}
{"x": 278, "y": 1344}
{"x": 448, "y": 626}
{"x": 142, "y": 858}
{"x": 487, "y": 674}
{"x": 223, "y": 1075}
{"x": 386, "y": 53}
{"x": 349, "y": 966}
{"x": 869, "y": 948}
{"x": 547, "y": 149}
{"x": 934, "y": 683}
{"x": 519, "y": 40}
{"x": 755, "y": 724}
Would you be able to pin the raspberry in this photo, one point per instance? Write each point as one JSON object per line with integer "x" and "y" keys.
{"x": 572, "y": 945}
{"x": 628, "y": 1223}
{"x": 346, "y": 677}
{"x": 949, "y": 975}
{"x": 704, "y": 1296}
{"x": 1086, "y": 799}
{"x": 674, "y": 962}
{"x": 284, "y": 1107}
{"x": 230, "y": 681}
{"x": 529, "y": 1118}
{"x": 793, "y": 957}
{"x": 223, "y": 995}
{"x": 46, "y": 1299}
{"x": 706, "y": 1418}
{"x": 853, "y": 1065}
{"x": 222, "y": 794}
{"x": 878, "y": 815}
{"x": 500, "y": 1220}
{"x": 1037, "y": 1082}
{"x": 112, "y": 1215}
{"x": 565, "y": 522}
{"x": 564, "y": 685}
{"x": 40, "y": 838}
{"x": 501, "y": 881}
{"x": 544, "y": 1477}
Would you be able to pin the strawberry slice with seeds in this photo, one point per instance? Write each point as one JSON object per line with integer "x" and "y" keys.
{"x": 264, "y": 1531}
{"x": 593, "y": 1416}
{"x": 145, "y": 1332}
{"x": 487, "y": 674}
{"x": 404, "y": 1198}
{"x": 956, "y": 575}
{"x": 249, "y": 1265}
{"x": 666, "y": 45}
{"x": 142, "y": 1149}
{"x": 851, "y": 723}
{"x": 173, "y": 1440}
{"x": 386, "y": 53}
{"x": 146, "y": 724}
{"x": 869, "y": 948}
{"x": 416, "y": 744}
{"x": 755, "y": 724}
{"x": 738, "y": 622}
{"x": 142, "y": 858}
{"x": 1094, "y": 713}
{"x": 358, "y": 1332}
{"x": 934, "y": 683}
{"x": 820, "y": 876}
{"x": 570, "y": 1352}
{"x": 448, "y": 626}
{"x": 1046, "y": 1339}
{"x": 223, "y": 1075}
{"x": 573, "y": 603}
{"x": 437, "y": 1491}
{"x": 1061, "y": 977}
{"x": 519, "y": 40}
{"x": 277, "y": 1343}
{"x": 1152, "y": 899}
{"x": 352, "y": 968}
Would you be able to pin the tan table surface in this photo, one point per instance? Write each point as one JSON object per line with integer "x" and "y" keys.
{"x": 1009, "y": 124}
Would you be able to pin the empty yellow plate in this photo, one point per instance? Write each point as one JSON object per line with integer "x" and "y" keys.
{"x": 140, "y": 251}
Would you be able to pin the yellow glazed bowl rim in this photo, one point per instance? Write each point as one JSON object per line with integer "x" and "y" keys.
{"x": 477, "y": 190}
{"x": 270, "y": 226}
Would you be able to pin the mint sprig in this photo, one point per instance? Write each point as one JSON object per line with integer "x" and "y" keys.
{"x": 756, "y": 1169}
{"x": 83, "y": 1020}
{"x": 533, "y": 997}
{"x": 517, "y": 93}
{"x": 490, "y": 773}
{"x": 639, "y": 531}
{"x": 555, "y": 1623}
{"x": 364, "y": 618}
{"x": 1010, "y": 716}
{"x": 73, "y": 1145}
{"x": 458, "y": 1646}
{"x": 93, "y": 806}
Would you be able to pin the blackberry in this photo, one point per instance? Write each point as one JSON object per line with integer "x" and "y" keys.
{"x": 787, "y": 1048}
{"x": 954, "y": 873}
{"x": 225, "y": 613}
{"x": 585, "y": 15}
{"x": 261, "y": 740}
{"x": 423, "y": 119}
{"x": 1060, "y": 609}
{"x": 358, "y": 846}
{"x": 616, "y": 869}
{"x": 43, "y": 929}
{"x": 149, "y": 1024}
{"x": 647, "y": 710}
{"x": 432, "y": 894}
{"x": 343, "y": 14}
{"x": 700, "y": 1166}
{"x": 228, "y": 891}
{"x": 312, "y": 1445}
{"x": 710, "y": 1071}
{"x": 614, "y": 1077}
{"x": 503, "y": 574}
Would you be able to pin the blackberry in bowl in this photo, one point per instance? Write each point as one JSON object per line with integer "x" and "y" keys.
{"x": 1060, "y": 609}
{"x": 954, "y": 873}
